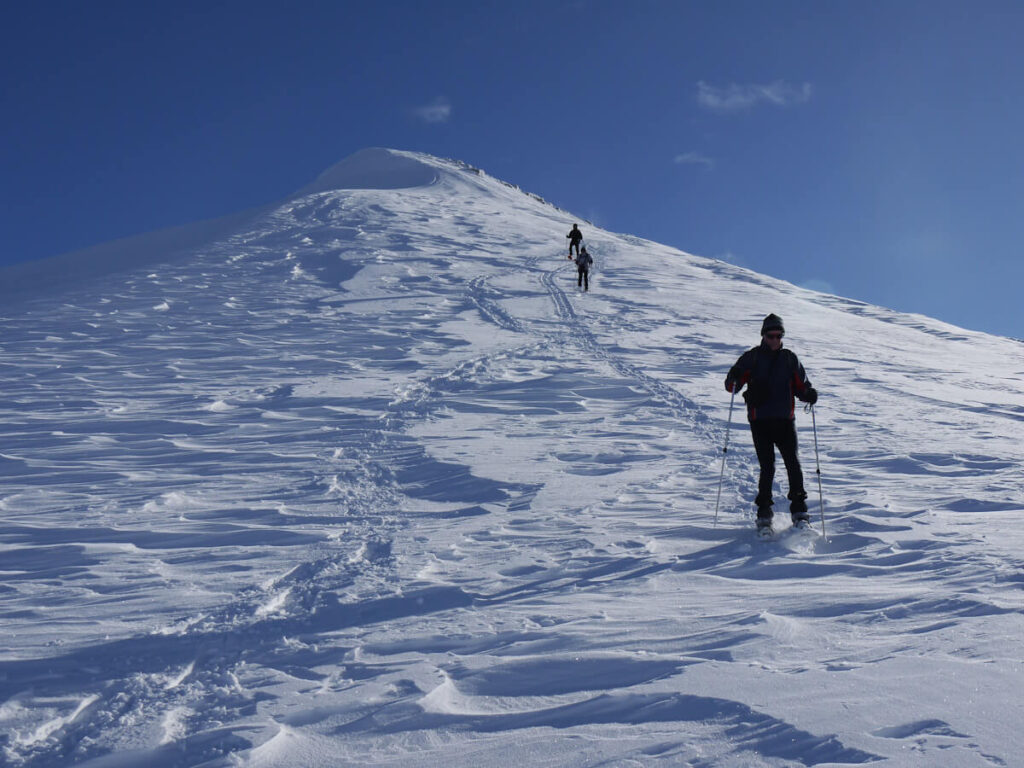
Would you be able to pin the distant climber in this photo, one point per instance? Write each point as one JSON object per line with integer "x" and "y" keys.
{"x": 583, "y": 262}
{"x": 575, "y": 238}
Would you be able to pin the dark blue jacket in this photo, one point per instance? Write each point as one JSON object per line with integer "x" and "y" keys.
{"x": 772, "y": 379}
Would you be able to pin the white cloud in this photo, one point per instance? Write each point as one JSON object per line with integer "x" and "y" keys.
{"x": 437, "y": 111}
{"x": 734, "y": 98}
{"x": 694, "y": 158}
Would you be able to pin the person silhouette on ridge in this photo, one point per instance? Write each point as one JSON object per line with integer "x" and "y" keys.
{"x": 575, "y": 237}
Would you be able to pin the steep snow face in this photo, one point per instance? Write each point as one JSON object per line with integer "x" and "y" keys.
{"x": 367, "y": 480}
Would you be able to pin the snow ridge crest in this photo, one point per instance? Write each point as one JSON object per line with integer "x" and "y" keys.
{"x": 375, "y": 168}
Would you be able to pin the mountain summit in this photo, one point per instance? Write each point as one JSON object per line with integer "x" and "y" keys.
{"x": 361, "y": 478}
{"x": 377, "y": 168}
{"x": 368, "y": 169}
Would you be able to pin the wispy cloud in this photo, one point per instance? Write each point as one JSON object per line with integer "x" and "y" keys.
{"x": 821, "y": 286}
{"x": 732, "y": 258}
{"x": 694, "y": 158}
{"x": 437, "y": 111}
{"x": 735, "y": 97}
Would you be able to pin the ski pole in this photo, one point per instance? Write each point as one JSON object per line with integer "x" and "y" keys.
{"x": 817, "y": 468}
{"x": 725, "y": 450}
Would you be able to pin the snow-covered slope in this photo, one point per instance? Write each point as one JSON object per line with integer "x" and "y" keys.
{"x": 365, "y": 480}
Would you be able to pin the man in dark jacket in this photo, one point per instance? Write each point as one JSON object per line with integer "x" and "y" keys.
{"x": 773, "y": 376}
{"x": 575, "y": 236}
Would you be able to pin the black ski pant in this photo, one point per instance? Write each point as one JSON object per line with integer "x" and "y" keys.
{"x": 574, "y": 244}
{"x": 770, "y": 434}
{"x": 583, "y": 278}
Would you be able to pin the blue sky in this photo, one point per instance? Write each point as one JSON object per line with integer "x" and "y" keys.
{"x": 871, "y": 149}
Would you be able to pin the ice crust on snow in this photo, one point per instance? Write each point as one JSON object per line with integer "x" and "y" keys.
{"x": 361, "y": 478}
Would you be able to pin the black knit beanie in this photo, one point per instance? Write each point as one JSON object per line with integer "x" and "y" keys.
{"x": 772, "y": 323}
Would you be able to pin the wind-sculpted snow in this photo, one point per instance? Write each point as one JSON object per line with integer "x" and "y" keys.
{"x": 368, "y": 481}
{"x": 375, "y": 169}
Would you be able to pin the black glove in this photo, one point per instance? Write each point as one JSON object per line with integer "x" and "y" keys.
{"x": 810, "y": 396}
{"x": 730, "y": 380}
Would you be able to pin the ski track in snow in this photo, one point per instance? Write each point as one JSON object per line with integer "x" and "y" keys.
{"x": 370, "y": 482}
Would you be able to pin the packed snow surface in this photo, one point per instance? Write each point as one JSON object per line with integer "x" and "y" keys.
{"x": 366, "y": 480}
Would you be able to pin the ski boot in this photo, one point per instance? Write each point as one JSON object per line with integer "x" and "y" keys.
{"x": 798, "y": 513}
